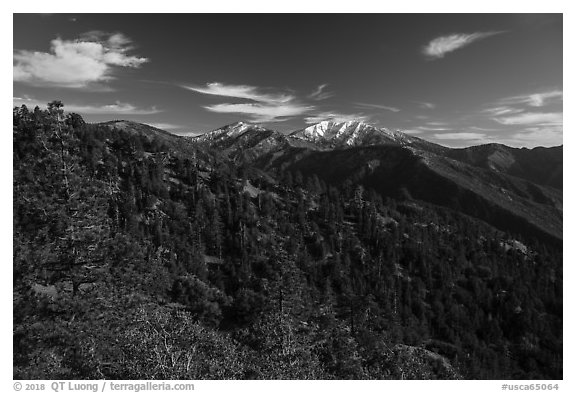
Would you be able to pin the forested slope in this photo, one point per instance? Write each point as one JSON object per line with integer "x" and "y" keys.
{"x": 136, "y": 256}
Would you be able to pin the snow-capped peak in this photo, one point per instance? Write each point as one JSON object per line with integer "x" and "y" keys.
{"x": 350, "y": 133}
{"x": 328, "y": 129}
{"x": 327, "y": 134}
{"x": 230, "y": 131}
{"x": 239, "y": 128}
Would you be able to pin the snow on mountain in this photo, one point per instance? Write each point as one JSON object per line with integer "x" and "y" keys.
{"x": 243, "y": 141}
{"x": 230, "y": 131}
{"x": 351, "y": 133}
{"x": 245, "y": 138}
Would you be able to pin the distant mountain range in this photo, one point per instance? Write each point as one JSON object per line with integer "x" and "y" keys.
{"x": 326, "y": 135}
{"x": 518, "y": 190}
{"x": 510, "y": 188}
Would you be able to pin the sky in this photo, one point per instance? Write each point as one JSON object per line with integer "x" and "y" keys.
{"x": 453, "y": 79}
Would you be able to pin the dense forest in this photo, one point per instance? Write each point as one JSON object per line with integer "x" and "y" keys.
{"x": 141, "y": 255}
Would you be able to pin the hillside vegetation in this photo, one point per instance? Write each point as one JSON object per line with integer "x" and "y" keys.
{"x": 138, "y": 255}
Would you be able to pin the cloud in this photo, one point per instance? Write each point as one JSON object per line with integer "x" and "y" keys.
{"x": 515, "y": 111}
{"x": 462, "y": 139}
{"x": 536, "y": 99}
{"x": 240, "y": 91}
{"x": 319, "y": 95}
{"x": 475, "y": 128}
{"x": 261, "y": 112}
{"x": 336, "y": 117}
{"x": 265, "y": 107}
{"x": 538, "y": 136}
{"x": 427, "y": 128}
{"x": 388, "y": 108}
{"x": 115, "y": 108}
{"x": 451, "y": 136}
{"x": 412, "y": 131}
{"x": 533, "y": 136}
{"x": 165, "y": 126}
{"x": 427, "y": 105}
{"x": 431, "y": 126}
{"x": 531, "y": 118}
{"x": 75, "y": 64}
{"x": 502, "y": 110}
{"x": 29, "y": 102}
{"x": 440, "y": 46}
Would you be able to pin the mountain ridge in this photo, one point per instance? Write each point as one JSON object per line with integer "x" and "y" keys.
{"x": 542, "y": 165}
{"x": 503, "y": 186}
{"x": 323, "y": 133}
{"x": 353, "y": 133}
{"x": 523, "y": 185}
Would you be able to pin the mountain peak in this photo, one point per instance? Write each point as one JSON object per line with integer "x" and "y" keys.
{"x": 241, "y": 124}
{"x": 350, "y": 133}
{"x": 135, "y": 127}
{"x": 232, "y": 130}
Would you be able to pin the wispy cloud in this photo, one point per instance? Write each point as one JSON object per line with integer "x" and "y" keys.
{"x": 75, "y": 64}
{"x": 241, "y": 91}
{"x": 262, "y": 113}
{"x": 437, "y": 123}
{"x": 427, "y": 105}
{"x": 265, "y": 107}
{"x": 436, "y": 128}
{"x": 527, "y": 125}
{"x": 475, "y": 128}
{"x": 429, "y": 127}
{"x": 26, "y": 100}
{"x": 502, "y": 110}
{"x": 538, "y": 136}
{"x": 319, "y": 94}
{"x": 532, "y": 137}
{"x": 117, "y": 107}
{"x": 335, "y": 116}
{"x": 412, "y": 131}
{"x": 532, "y": 118}
{"x": 536, "y": 99}
{"x": 165, "y": 126}
{"x": 376, "y": 106}
{"x": 440, "y": 46}
{"x": 468, "y": 136}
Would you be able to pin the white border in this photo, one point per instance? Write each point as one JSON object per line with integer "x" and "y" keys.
{"x": 304, "y": 6}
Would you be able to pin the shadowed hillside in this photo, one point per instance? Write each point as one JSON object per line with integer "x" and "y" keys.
{"x": 139, "y": 255}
